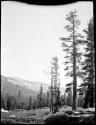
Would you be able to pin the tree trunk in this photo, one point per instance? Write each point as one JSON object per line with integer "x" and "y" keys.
{"x": 74, "y": 106}
{"x": 91, "y": 103}
{"x": 51, "y": 101}
{"x": 86, "y": 100}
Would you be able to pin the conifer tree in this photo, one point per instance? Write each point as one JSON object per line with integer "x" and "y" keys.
{"x": 51, "y": 91}
{"x": 30, "y": 102}
{"x": 40, "y": 97}
{"x": 69, "y": 93}
{"x": 73, "y": 53}
{"x": 55, "y": 85}
{"x": 2, "y": 102}
{"x": 88, "y": 85}
{"x": 8, "y": 102}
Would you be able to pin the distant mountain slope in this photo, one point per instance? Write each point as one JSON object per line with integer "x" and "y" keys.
{"x": 11, "y": 85}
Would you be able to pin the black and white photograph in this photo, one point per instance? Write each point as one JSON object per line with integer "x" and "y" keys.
{"x": 47, "y": 63}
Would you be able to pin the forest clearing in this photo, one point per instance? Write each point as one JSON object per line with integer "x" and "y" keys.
{"x": 44, "y": 116}
{"x": 46, "y": 87}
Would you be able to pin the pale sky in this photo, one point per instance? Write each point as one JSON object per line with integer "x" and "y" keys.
{"x": 30, "y": 38}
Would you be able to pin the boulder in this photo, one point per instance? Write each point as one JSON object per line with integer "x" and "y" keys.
{"x": 12, "y": 116}
{"x": 2, "y": 110}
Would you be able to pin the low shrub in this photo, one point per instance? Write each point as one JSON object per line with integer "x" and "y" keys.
{"x": 8, "y": 121}
{"x": 62, "y": 118}
{"x": 56, "y": 118}
{"x": 46, "y": 112}
{"x": 87, "y": 120}
{"x": 69, "y": 112}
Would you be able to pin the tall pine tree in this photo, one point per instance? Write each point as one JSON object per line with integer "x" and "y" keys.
{"x": 40, "y": 97}
{"x": 89, "y": 67}
{"x": 73, "y": 53}
{"x": 55, "y": 85}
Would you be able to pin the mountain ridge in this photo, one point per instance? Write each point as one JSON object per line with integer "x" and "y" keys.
{"x": 12, "y": 85}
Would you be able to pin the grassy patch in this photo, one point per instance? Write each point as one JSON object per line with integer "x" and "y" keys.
{"x": 25, "y": 116}
{"x": 44, "y": 116}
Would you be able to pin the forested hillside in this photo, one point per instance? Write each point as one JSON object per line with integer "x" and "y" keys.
{"x": 12, "y": 85}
